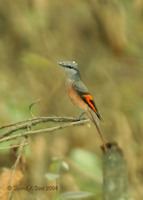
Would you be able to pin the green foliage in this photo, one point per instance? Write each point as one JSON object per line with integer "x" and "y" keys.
{"x": 87, "y": 161}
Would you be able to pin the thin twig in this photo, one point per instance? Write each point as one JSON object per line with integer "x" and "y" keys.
{"x": 13, "y": 124}
{"x": 19, "y": 156}
{"x": 18, "y": 145}
{"x": 30, "y": 107}
{"x": 33, "y": 122}
{"x": 22, "y": 121}
{"x": 47, "y": 130}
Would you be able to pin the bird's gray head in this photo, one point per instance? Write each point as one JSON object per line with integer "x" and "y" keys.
{"x": 71, "y": 68}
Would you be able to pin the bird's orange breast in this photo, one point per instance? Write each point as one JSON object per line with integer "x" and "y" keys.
{"x": 75, "y": 98}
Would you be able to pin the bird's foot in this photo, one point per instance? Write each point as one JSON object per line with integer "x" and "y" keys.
{"x": 81, "y": 117}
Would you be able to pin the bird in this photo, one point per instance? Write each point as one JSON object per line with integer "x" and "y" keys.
{"x": 80, "y": 96}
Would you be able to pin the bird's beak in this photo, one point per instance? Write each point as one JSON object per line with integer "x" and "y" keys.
{"x": 61, "y": 63}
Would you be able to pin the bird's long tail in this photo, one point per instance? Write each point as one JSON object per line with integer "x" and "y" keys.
{"x": 101, "y": 137}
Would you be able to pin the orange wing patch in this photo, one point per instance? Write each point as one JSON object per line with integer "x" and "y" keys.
{"x": 89, "y": 98}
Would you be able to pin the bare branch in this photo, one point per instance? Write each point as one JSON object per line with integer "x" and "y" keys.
{"x": 13, "y": 124}
{"x": 20, "y": 153}
{"x": 47, "y": 130}
{"x": 32, "y": 122}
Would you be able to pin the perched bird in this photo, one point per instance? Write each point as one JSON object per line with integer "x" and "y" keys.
{"x": 79, "y": 94}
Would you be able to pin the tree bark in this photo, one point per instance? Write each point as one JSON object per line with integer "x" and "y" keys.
{"x": 114, "y": 174}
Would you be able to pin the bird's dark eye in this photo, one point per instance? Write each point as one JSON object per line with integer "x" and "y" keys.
{"x": 70, "y": 67}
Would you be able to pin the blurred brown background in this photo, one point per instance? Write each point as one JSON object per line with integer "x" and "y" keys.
{"x": 105, "y": 37}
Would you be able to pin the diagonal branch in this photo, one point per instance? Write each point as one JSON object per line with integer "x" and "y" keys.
{"x": 47, "y": 130}
{"x": 21, "y": 125}
{"x": 13, "y": 146}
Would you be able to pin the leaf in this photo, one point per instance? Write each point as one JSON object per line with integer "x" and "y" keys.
{"x": 54, "y": 166}
{"x": 7, "y": 187}
{"x": 75, "y": 195}
{"x": 51, "y": 176}
{"x": 65, "y": 165}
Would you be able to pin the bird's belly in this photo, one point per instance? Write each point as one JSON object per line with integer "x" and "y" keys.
{"x": 75, "y": 98}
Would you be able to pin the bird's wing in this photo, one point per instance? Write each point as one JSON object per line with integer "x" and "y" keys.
{"x": 82, "y": 91}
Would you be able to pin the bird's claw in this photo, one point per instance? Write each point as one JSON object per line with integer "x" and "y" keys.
{"x": 81, "y": 117}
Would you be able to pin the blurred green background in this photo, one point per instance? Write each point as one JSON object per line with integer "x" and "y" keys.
{"x": 105, "y": 38}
